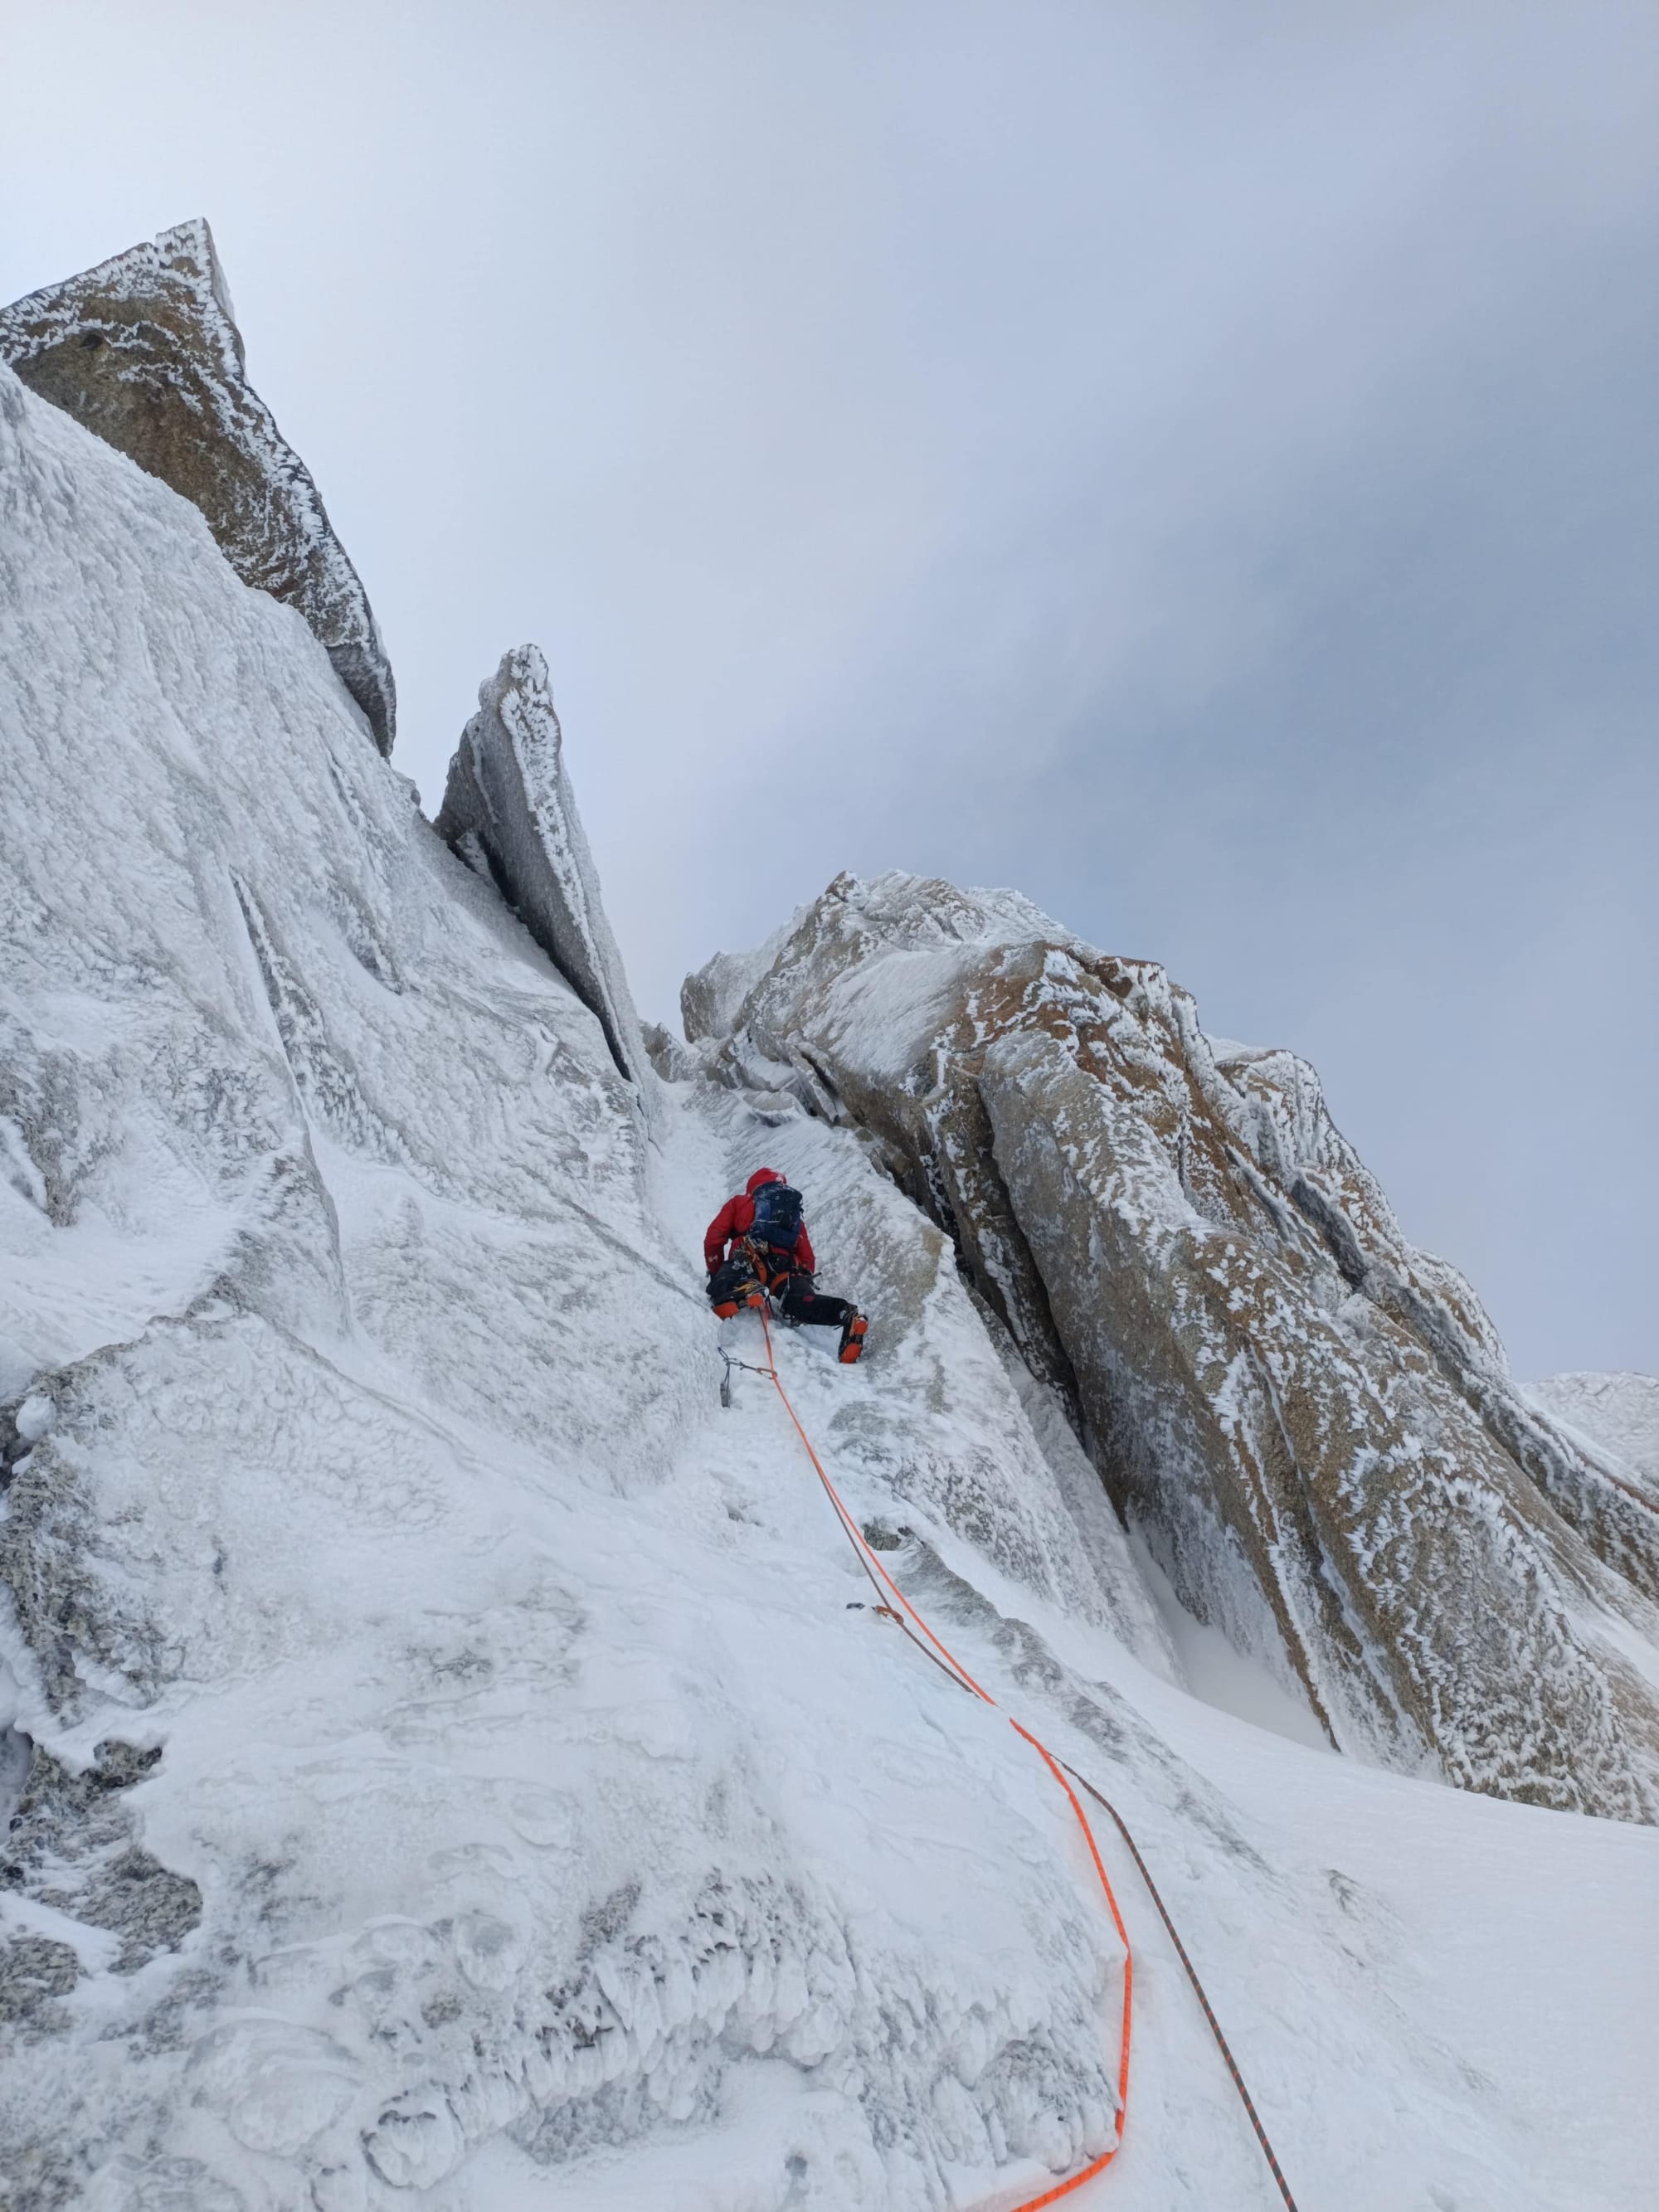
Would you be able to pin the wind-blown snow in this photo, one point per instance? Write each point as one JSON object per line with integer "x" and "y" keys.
{"x": 1617, "y": 1415}
{"x": 462, "y": 1768}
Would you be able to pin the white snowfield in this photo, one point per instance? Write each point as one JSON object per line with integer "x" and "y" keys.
{"x": 455, "y": 1762}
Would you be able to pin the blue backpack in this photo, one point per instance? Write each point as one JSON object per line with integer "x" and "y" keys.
{"x": 777, "y": 1217}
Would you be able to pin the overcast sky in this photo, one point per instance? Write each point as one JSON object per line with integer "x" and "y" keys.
{"x": 1199, "y": 464}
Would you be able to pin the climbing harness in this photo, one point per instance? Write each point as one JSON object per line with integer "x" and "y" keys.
{"x": 906, "y": 1614}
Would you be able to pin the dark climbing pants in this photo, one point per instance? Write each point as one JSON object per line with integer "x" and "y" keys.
{"x": 801, "y": 1303}
{"x": 797, "y": 1299}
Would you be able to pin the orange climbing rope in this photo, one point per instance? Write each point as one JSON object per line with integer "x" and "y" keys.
{"x": 952, "y": 1665}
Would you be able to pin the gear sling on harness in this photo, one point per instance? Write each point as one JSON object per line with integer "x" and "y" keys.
{"x": 946, "y": 1661}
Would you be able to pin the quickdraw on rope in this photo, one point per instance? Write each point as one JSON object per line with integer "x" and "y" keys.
{"x": 945, "y": 1660}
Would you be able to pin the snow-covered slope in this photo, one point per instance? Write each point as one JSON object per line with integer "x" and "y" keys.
{"x": 455, "y": 1762}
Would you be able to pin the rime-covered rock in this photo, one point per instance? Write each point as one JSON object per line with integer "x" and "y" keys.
{"x": 1311, "y": 1423}
{"x": 144, "y": 350}
{"x": 509, "y": 806}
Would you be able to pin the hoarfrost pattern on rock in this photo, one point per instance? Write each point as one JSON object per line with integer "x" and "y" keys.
{"x": 508, "y": 801}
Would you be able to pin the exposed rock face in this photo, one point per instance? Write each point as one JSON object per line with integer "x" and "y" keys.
{"x": 1311, "y": 1423}
{"x": 509, "y": 806}
{"x": 144, "y": 350}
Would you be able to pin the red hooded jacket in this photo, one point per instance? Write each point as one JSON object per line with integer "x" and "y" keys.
{"x": 737, "y": 1217}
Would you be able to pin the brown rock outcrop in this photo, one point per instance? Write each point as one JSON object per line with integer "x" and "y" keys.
{"x": 144, "y": 351}
{"x": 1311, "y": 1423}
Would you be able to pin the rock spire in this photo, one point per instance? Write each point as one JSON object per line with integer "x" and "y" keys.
{"x": 144, "y": 350}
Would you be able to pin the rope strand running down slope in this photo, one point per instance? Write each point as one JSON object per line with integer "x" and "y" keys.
{"x": 910, "y": 1620}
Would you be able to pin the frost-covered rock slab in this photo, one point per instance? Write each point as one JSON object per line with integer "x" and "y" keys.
{"x": 144, "y": 350}
{"x": 1311, "y": 1423}
{"x": 509, "y": 803}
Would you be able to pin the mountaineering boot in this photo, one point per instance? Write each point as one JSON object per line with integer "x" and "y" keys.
{"x": 732, "y": 1285}
{"x": 852, "y": 1338}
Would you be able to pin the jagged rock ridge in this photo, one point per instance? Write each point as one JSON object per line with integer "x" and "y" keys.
{"x": 143, "y": 351}
{"x": 1312, "y": 1424}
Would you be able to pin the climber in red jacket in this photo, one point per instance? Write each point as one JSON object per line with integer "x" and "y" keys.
{"x": 758, "y": 1245}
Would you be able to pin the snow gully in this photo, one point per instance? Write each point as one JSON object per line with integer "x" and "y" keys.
{"x": 1059, "y": 1769}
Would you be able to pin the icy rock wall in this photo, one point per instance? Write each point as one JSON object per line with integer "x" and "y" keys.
{"x": 433, "y": 1761}
{"x": 1311, "y": 1423}
{"x": 509, "y": 803}
{"x": 143, "y": 349}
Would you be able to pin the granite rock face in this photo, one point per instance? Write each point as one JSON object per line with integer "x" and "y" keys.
{"x": 143, "y": 349}
{"x": 1311, "y": 1424}
{"x": 508, "y": 808}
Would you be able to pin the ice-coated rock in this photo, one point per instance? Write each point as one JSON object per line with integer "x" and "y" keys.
{"x": 144, "y": 350}
{"x": 508, "y": 804}
{"x": 1311, "y": 1423}
{"x": 709, "y": 999}
{"x": 529, "y": 1783}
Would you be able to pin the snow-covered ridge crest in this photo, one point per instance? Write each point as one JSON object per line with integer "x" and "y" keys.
{"x": 1311, "y": 1424}
{"x": 144, "y": 350}
{"x": 1616, "y": 1414}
